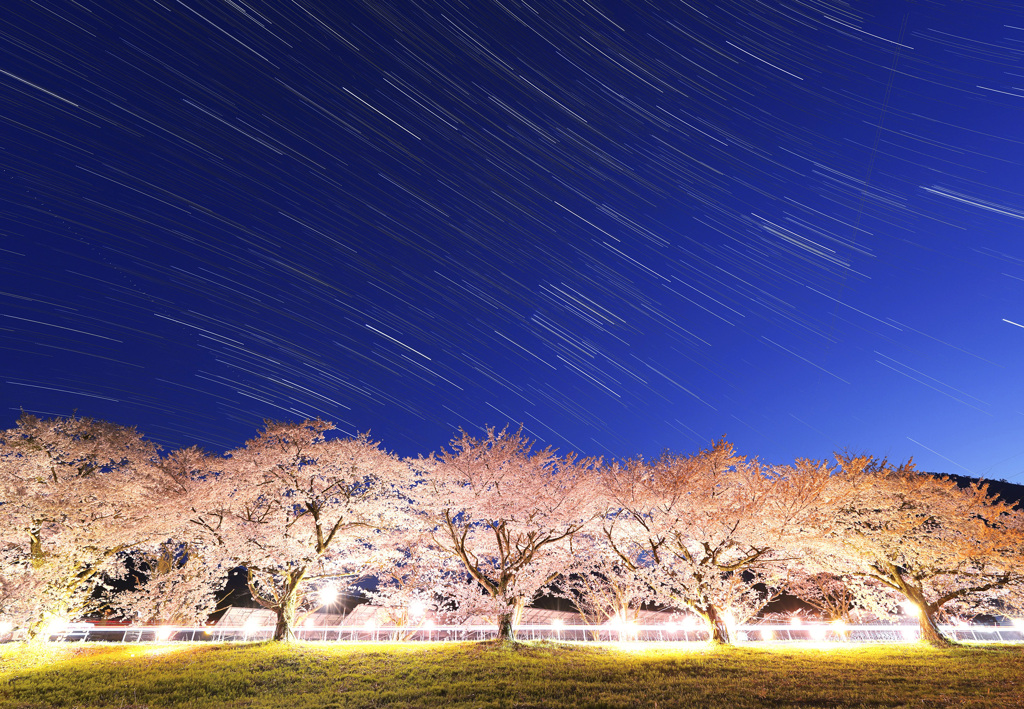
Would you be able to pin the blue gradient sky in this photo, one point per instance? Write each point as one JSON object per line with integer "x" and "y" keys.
{"x": 629, "y": 226}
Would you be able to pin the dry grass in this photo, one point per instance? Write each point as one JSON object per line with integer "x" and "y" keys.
{"x": 464, "y": 675}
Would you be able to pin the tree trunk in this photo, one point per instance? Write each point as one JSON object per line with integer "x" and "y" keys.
{"x": 926, "y": 620}
{"x": 39, "y": 629}
{"x": 35, "y": 547}
{"x": 717, "y": 627}
{"x": 287, "y": 607}
{"x": 34, "y": 631}
{"x": 506, "y": 630}
{"x": 508, "y": 621}
{"x": 285, "y": 620}
{"x": 517, "y": 616}
{"x": 930, "y": 631}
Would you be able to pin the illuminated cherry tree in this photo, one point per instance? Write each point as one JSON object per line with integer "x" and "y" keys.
{"x": 300, "y": 511}
{"x": 506, "y": 513}
{"x": 420, "y": 585}
{"x": 836, "y": 596}
{"x": 23, "y": 589}
{"x": 482, "y": 528}
{"x": 600, "y": 586}
{"x": 176, "y": 586}
{"x": 939, "y": 545}
{"x": 177, "y": 576}
{"x": 77, "y": 494}
{"x": 712, "y": 530}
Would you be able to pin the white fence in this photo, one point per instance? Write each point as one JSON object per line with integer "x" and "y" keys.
{"x": 666, "y": 632}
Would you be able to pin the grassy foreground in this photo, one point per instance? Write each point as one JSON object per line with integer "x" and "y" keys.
{"x": 464, "y": 675}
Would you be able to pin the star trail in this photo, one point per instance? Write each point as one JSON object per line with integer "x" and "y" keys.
{"x": 627, "y": 226}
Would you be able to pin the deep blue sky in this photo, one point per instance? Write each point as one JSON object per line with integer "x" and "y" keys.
{"x": 628, "y": 225}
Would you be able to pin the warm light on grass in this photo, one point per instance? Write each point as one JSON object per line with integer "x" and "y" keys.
{"x": 162, "y": 649}
{"x": 463, "y": 675}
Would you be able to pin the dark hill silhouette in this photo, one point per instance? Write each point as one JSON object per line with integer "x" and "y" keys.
{"x": 1006, "y": 491}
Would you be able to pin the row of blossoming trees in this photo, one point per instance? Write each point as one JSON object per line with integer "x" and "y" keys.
{"x": 482, "y": 528}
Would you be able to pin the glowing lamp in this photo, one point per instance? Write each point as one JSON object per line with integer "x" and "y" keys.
{"x": 56, "y": 626}
{"x": 688, "y": 622}
{"x": 428, "y": 623}
{"x": 767, "y": 634}
{"x": 817, "y": 633}
{"x": 1018, "y": 623}
{"x": 328, "y": 595}
{"x": 370, "y": 624}
{"x": 164, "y": 632}
{"x": 558, "y": 622}
{"x": 795, "y": 622}
{"x": 417, "y": 608}
{"x": 910, "y": 609}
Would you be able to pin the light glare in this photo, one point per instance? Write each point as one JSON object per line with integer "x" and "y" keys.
{"x": 328, "y": 595}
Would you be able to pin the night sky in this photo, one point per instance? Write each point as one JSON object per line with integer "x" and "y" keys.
{"x": 629, "y": 226}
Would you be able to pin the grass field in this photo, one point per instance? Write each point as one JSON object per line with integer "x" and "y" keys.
{"x": 464, "y": 675}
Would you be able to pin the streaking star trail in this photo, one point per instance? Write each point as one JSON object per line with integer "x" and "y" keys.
{"x": 626, "y": 226}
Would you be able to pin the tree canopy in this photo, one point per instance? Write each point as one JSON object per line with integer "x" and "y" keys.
{"x": 482, "y": 527}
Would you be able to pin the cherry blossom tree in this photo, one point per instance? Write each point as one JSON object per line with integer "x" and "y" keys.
{"x": 837, "y": 596}
{"x": 506, "y": 513}
{"x": 76, "y": 495}
{"x": 178, "y": 586}
{"x": 599, "y": 585}
{"x": 715, "y": 527}
{"x": 932, "y": 541}
{"x": 420, "y": 585}
{"x": 177, "y": 576}
{"x": 299, "y": 510}
{"x": 26, "y": 602}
